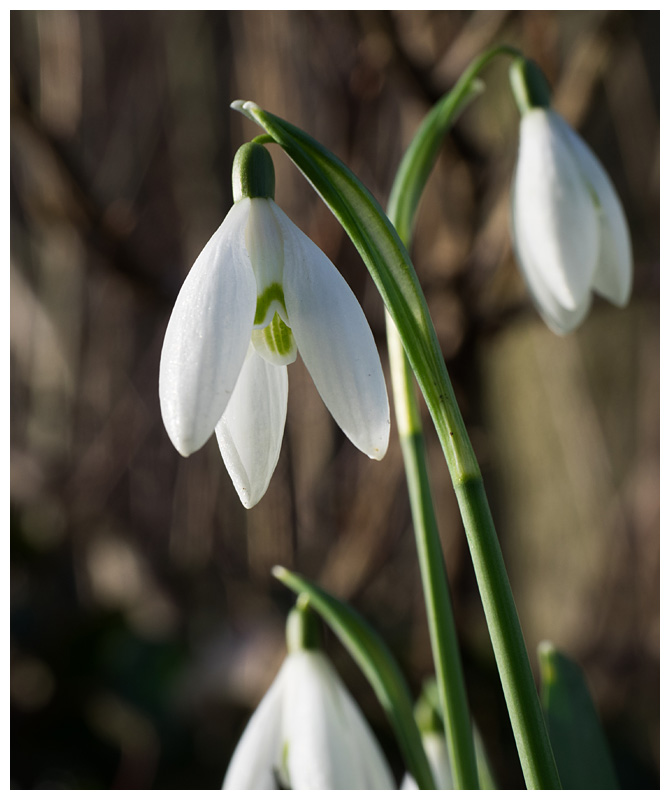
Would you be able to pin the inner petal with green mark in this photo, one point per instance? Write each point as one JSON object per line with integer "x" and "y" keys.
{"x": 269, "y": 303}
{"x": 275, "y": 342}
{"x": 265, "y": 245}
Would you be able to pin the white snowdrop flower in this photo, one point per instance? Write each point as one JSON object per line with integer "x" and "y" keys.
{"x": 307, "y": 733}
{"x": 568, "y": 226}
{"x": 437, "y": 754}
{"x": 259, "y": 292}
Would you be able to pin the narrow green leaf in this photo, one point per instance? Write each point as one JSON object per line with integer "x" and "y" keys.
{"x": 576, "y": 735}
{"x": 376, "y": 663}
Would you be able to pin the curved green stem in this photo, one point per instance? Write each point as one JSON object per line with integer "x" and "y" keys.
{"x": 441, "y": 625}
{"x": 387, "y": 260}
{"x": 405, "y": 196}
{"x": 419, "y": 158}
{"x": 527, "y": 721}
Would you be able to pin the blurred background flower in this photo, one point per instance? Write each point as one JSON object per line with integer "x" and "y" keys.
{"x": 145, "y": 623}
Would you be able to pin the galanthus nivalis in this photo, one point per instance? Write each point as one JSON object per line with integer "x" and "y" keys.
{"x": 259, "y": 293}
{"x": 568, "y": 227}
{"x": 307, "y": 732}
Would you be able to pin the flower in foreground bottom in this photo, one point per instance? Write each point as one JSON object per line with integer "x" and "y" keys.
{"x": 437, "y": 754}
{"x": 568, "y": 226}
{"x": 258, "y": 293}
{"x": 308, "y": 733}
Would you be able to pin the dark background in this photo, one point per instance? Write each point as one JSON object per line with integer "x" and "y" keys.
{"x": 145, "y": 622}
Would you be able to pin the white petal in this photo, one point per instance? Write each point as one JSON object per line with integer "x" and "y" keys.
{"x": 614, "y": 272}
{"x": 553, "y": 212}
{"x": 251, "y": 430}
{"x": 559, "y": 319}
{"x": 408, "y": 783}
{"x": 207, "y": 336}
{"x": 315, "y": 755}
{"x": 325, "y": 746}
{"x": 266, "y": 251}
{"x": 335, "y": 341}
{"x": 435, "y": 746}
{"x": 366, "y": 752}
{"x": 258, "y": 751}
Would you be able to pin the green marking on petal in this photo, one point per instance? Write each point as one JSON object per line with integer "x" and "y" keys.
{"x": 275, "y": 342}
{"x": 282, "y": 775}
{"x": 272, "y": 295}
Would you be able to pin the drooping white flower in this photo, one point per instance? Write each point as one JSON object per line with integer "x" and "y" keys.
{"x": 437, "y": 754}
{"x": 308, "y": 733}
{"x": 568, "y": 226}
{"x": 259, "y": 292}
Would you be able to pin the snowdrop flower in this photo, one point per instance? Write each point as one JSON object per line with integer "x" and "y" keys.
{"x": 307, "y": 732}
{"x": 569, "y": 230}
{"x": 428, "y": 717}
{"x": 259, "y": 292}
{"x": 437, "y": 754}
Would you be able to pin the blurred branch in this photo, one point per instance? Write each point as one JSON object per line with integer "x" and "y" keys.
{"x": 86, "y": 212}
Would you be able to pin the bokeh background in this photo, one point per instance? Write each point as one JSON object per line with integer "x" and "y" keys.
{"x": 145, "y": 623}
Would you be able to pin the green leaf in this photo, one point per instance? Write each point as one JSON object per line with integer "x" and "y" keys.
{"x": 579, "y": 745}
{"x": 376, "y": 663}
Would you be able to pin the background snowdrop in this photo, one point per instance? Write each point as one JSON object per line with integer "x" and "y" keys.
{"x": 569, "y": 230}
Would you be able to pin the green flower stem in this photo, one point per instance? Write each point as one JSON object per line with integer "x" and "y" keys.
{"x": 419, "y": 158}
{"x": 528, "y": 724}
{"x": 406, "y": 193}
{"x": 388, "y": 262}
{"x": 444, "y": 641}
{"x": 523, "y": 705}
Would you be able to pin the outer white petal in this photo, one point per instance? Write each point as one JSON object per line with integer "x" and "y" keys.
{"x": 559, "y": 319}
{"x": 251, "y": 430}
{"x": 408, "y": 783}
{"x": 438, "y": 758}
{"x": 614, "y": 272}
{"x": 328, "y": 747}
{"x": 258, "y": 751}
{"x": 553, "y": 212}
{"x": 335, "y": 341}
{"x": 365, "y": 750}
{"x": 207, "y": 336}
{"x": 435, "y": 746}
